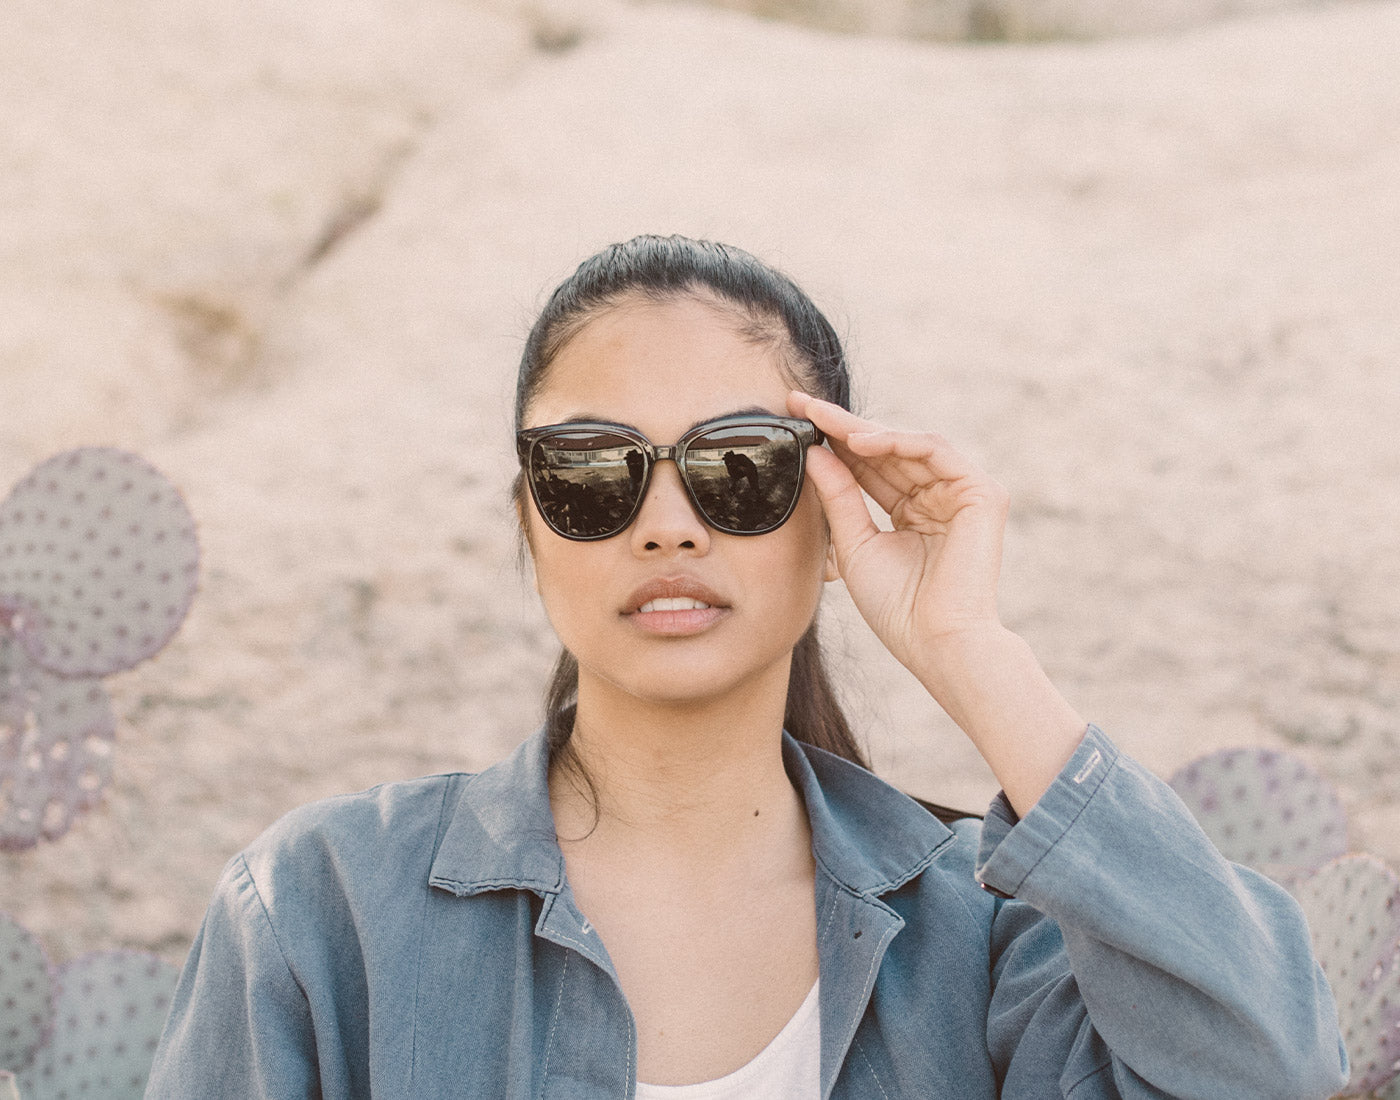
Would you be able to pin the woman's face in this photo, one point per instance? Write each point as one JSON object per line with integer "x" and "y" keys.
{"x": 662, "y": 367}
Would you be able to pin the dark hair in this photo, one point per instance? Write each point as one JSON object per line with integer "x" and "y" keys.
{"x": 769, "y": 309}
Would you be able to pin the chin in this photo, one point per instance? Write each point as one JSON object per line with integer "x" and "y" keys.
{"x": 688, "y": 682}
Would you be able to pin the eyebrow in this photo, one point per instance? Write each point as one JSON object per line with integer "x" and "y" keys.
{"x": 748, "y": 410}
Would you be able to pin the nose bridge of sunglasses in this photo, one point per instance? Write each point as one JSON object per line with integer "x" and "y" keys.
{"x": 669, "y": 478}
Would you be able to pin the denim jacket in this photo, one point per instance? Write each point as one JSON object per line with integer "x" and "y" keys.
{"x": 420, "y": 940}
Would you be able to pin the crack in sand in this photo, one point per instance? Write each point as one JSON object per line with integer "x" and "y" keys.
{"x": 221, "y": 333}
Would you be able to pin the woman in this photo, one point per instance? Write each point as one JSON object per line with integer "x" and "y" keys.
{"x": 686, "y": 885}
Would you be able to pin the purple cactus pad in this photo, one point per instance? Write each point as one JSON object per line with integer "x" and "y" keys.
{"x": 98, "y": 561}
{"x": 1353, "y": 910}
{"x": 56, "y": 739}
{"x": 1265, "y": 809}
{"x": 26, "y": 995}
{"x": 108, "y": 1015}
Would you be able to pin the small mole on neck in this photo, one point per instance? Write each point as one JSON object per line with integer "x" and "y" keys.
{"x": 755, "y": 813}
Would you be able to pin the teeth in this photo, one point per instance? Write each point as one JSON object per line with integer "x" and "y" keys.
{"x": 672, "y": 603}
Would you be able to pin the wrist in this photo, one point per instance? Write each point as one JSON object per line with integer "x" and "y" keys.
{"x": 962, "y": 663}
{"x": 992, "y": 686}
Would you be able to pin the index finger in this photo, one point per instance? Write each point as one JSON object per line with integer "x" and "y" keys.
{"x": 839, "y": 425}
{"x": 901, "y": 459}
{"x": 836, "y": 422}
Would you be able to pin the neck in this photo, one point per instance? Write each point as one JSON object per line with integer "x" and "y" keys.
{"x": 687, "y": 778}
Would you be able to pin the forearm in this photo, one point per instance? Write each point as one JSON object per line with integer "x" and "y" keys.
{"x": 992, "y": 686}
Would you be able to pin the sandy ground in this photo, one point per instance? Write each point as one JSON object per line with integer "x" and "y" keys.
{"x": 290, "y": 256}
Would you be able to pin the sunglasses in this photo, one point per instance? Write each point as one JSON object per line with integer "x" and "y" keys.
{"x": 743, "y": 474}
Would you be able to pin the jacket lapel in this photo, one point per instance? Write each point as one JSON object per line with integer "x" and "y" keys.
{"x": 868, "y": 840}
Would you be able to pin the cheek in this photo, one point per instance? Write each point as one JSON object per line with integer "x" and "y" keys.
{"x": 565, "y": 580}
{"x": 802, "y": 557}
{"x": 811, "y": 528}
{"x": 551, "y": 573}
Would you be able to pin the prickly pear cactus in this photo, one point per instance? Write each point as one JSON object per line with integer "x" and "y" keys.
{"x": 1353, "y": 909}
{"x": 108, "y": 1014}
{"x": 1265, "y": 809}
{"x": 26, "y": 996}
{"x": 1270, "y": 811}
{"x": 98, "y": 562}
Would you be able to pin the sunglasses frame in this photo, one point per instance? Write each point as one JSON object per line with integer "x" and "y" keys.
{"x": 807, "y": 434}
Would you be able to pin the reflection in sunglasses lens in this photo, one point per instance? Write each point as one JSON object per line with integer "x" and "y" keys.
{"x": 744, "y": 478}
{"x": 587, "y": 483}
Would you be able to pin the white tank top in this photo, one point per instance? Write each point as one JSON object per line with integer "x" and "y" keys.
{"x": 788, "y": 1068}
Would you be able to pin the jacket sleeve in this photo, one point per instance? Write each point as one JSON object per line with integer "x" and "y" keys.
{"x": 1164, "y": 972}
{"x": 239, "y": 1023}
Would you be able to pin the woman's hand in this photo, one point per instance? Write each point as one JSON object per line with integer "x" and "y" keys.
{"x": 928, "y": 588}
{"x": 934, "y": 577}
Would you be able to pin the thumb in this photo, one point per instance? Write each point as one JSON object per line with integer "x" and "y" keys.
{"x": 842, "y": 501}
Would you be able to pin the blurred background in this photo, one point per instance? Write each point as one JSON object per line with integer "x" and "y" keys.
{"x": 1140, "y": 257}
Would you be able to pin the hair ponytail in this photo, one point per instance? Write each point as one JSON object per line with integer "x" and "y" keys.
{"x": 813, "y": 713}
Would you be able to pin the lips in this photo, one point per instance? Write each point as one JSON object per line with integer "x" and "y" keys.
{"x": 673, "y": 595}
{"x": 674, "y": 607}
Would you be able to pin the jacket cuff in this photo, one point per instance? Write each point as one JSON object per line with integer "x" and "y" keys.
{"x": 1011, "y": 847}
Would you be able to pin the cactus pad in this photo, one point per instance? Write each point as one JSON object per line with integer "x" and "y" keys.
{"x": 55, "y": 749}
{"x": 14, "y": 691}
{"x": 97, "y": 561}
{"x": 26, "y": 995}
{"x": 108, "y": 1016}
{"x": 1353, "y": 910}
{"x": 1265, "y": 809}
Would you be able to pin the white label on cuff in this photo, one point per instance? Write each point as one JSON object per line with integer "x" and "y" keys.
{"x": 1089, "y": 766}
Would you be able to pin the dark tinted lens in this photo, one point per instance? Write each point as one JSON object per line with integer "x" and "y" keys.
{"x": 587, "y": 483}
{"x": 745, "y": 478}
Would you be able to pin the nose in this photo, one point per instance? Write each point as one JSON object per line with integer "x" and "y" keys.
{"x": 667, "y": 522}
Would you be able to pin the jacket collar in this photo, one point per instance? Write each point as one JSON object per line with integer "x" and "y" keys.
{"x": 501, "y": 835}
{"x": 865, "y": 834}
